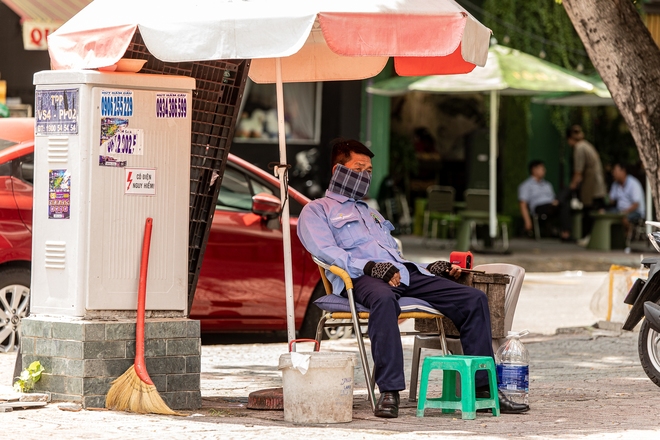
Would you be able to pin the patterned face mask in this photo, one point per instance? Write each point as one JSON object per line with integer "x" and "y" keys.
{"x": 350, "y": 183}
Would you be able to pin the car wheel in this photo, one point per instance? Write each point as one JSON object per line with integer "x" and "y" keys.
{"x": 14, "y": 306}
{"x": 312, "y": 315}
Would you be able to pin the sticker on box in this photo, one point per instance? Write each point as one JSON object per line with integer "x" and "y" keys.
{"x": 117, "y": 138}
{"x": 171, "y": 105}
{"x": 59, "y": 194}
{"x": 124, "y": 141}
{"x": 117, "y": 103}
{"x": 140, "y": 181}
{"x": 56, "y": 112}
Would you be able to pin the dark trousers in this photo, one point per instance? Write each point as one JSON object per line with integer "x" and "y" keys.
{"x": 467, "y": 307}
{"x": 561, "y": 211}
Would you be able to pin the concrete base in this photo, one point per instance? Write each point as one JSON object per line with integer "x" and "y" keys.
{"x": 81, "y": 358}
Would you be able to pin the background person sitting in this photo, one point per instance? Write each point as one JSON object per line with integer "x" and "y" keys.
{"x": 536, "y": 196}
{"x": 627, "y": 197}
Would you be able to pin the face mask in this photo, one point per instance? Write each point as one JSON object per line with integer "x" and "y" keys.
{"x": 350, "y": 183}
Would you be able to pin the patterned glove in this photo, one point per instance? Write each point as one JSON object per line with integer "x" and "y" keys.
{"x": 384, "y": 271}
{"x": 440, "y": 268}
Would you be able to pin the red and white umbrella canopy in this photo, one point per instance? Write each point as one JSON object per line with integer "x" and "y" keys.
{"x": 317, "y": 40}
{"x": 287, "y": 40}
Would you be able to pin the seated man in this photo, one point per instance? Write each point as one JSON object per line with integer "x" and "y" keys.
{"x": 536, "y": 196}
{"x": 342, "y": 230}
{"x": 627, "y": 197}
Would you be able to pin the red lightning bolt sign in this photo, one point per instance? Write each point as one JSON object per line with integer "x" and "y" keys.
{"x": 129, "y": 180}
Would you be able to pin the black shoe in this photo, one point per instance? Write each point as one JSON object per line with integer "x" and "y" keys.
{"x": 506, "y": 406}
{"x": 510, "y": 407}
{"x": 388, "y": 405}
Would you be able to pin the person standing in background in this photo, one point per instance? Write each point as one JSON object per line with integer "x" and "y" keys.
{"x": 588, "y": 179}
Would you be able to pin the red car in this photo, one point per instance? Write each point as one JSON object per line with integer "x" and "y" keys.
{"x": 241, "y": 284}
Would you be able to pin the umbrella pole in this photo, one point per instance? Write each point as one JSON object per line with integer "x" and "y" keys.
{"x": 286, "y": 228}
{"x": 494, "y": 98}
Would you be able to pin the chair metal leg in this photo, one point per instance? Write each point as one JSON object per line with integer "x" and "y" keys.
{"x": 414, "y": 372}
{"x": 443, "y": 338}
{"x": 363, "y": 353}
{"x": 537, "y": 227}
{"x": 425, "y": 341}
{"x": 505, "y": 236}
{"x": 473, "y": 233}
{"x": 319, "y": 328}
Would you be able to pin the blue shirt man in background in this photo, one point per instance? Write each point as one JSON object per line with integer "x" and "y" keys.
{"x": 627, "y": 196}
{"x": 536, "y": 196}
{"x": 342, "y": 230}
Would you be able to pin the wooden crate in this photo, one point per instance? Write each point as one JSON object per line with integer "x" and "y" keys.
{"x": 494, "y": 285}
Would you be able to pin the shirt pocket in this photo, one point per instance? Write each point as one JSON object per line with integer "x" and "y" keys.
{"x": 347, "y": 231}
{"x": 388, "y": 227}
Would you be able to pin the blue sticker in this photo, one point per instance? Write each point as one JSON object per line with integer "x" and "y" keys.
{"x": 56, "y": 112}
{"x": 117, "y": 103}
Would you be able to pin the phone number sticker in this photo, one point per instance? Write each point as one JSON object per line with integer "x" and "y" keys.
{"x": 57, "y": 112}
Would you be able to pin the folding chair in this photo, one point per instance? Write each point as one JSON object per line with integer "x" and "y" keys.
{"x": 477, "y": 206}
{"x": 340, "y": 308}
{"x": 516, "y": 275}
{"x": 439, "y": 210}
{"x": 397, "y": 211}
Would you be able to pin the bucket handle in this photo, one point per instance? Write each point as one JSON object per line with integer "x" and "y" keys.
{"x": 293, "y": 341}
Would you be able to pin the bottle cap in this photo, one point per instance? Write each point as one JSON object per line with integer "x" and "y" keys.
{"x": 517, "y": 335}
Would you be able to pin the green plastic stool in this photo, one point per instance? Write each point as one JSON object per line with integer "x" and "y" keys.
{"x": 468, "y": 403}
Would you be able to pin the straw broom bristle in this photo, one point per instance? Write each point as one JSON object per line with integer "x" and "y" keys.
{"x": 129, "y": 393}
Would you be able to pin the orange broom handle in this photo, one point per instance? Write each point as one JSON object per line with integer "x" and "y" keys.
{"x": 140, "y": 364}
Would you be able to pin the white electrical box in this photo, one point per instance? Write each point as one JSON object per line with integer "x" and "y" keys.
{"x": 111, "y": 150}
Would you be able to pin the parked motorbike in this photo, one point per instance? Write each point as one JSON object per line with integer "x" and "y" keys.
{"x": 644, "y": 297}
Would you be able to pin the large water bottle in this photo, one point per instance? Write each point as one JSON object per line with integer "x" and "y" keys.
{"x": 512, "y": 359}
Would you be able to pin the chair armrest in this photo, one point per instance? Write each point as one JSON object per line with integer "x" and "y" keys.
{"x": 341, "y": 273}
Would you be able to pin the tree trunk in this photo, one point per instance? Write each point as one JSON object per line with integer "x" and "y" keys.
{"x": 624, "y": 53}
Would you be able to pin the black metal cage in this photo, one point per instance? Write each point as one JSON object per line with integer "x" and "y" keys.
{"x": 216, "y": 102}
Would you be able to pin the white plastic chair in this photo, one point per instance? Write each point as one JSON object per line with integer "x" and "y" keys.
{"x": 517, "y": 275}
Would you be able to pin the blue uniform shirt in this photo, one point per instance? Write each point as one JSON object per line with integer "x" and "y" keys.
{"x": 627, "y": 194}
{"x": 348, "y": 234}
{"x": 535, "y": 193}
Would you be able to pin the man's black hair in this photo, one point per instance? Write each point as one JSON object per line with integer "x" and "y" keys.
{"x": 621, "y": 165}
{"x": 342, "y": 149}
{"x": 534, "y": 163}
{"x": 574, "y": 130}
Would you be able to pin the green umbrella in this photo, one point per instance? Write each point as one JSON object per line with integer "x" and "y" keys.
{"x": 600, "y": 95}
{"x": 508, "y": 72}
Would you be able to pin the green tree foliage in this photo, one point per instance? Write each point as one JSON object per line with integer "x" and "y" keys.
{"x": 542, "y": 28}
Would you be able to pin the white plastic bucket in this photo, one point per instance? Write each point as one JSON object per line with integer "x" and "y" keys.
{"x": 324, "y": 394}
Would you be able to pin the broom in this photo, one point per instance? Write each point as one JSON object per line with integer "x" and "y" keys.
{"x": 134, "y": 391}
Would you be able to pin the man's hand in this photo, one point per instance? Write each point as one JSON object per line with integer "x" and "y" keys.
{"x": 396, "y": 280}
{"x": 455, "y": 271}
{"x": 444, "y": 269}
{"x": 384, "y": 271}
